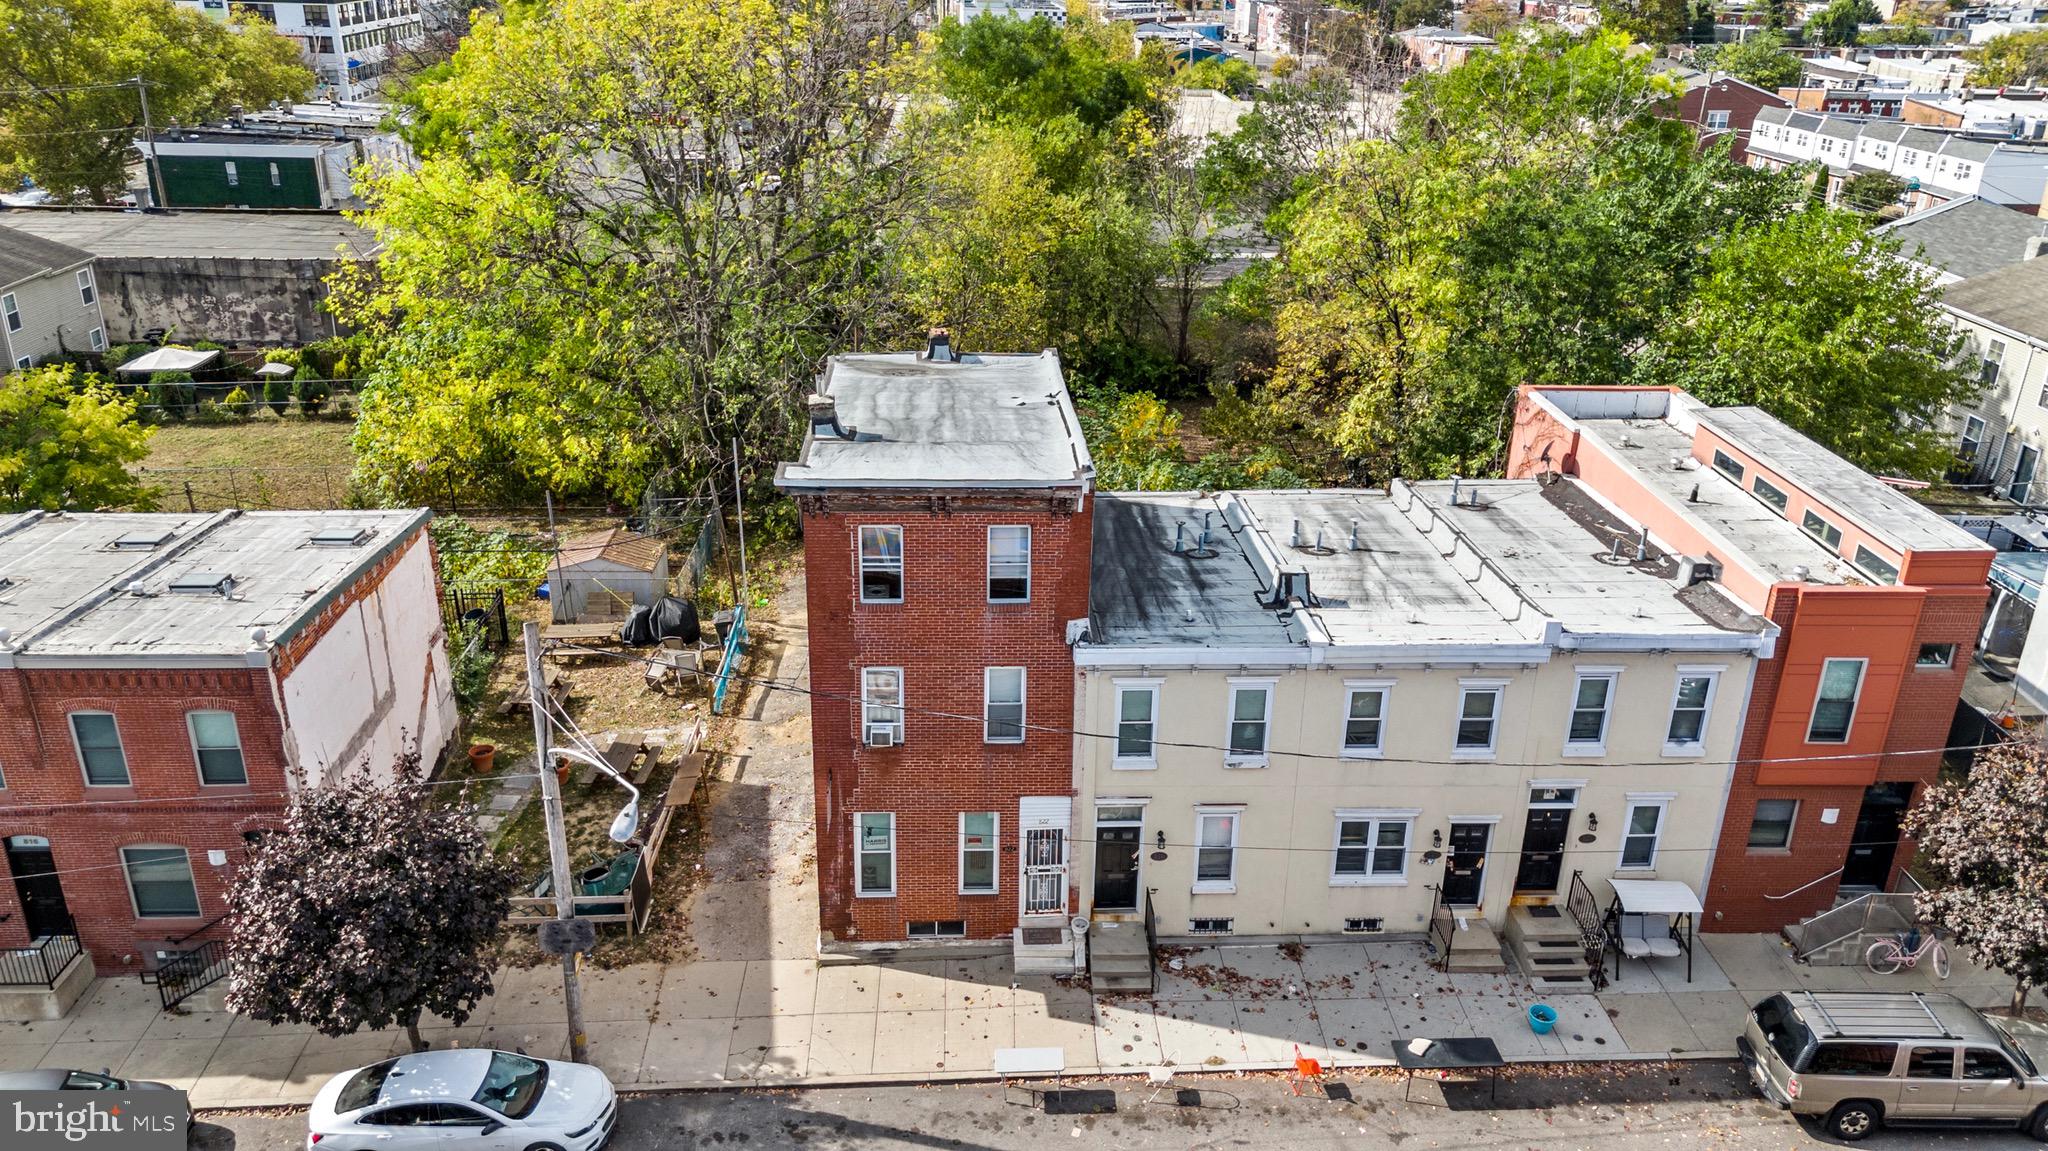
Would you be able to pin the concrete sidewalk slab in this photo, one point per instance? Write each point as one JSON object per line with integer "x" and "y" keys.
{"x": 702, "y": 990}
{"x": 1652, "y": 1023}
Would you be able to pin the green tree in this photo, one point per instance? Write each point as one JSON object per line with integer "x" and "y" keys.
{"x": 1760, "y": 60}
{"x": 172, "y": 394}
{"x": 311, "y": 389}
{"x": 1226, "y": 74}
{"x": 1491, "y": 18}
{"x": 67, "y": 443}
{"x": 1654, "y": 22}
{"x": 2012, "y": 59}
{"x": 1872, "y": 192}
{"x": 65, "y": 123}
{"x": 1814, "y": 318}
{"x": 1837, "y": 25}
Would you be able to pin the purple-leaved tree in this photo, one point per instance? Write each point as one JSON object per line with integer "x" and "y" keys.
{"x": 1984, "y": 843}
{"x": 371, "y": 907}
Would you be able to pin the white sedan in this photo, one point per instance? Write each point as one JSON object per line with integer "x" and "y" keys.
{"x": 464, "y": 1101}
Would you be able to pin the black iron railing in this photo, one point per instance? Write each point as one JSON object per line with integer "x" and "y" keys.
{"x": 40, "y": 965}
{"x": 187, "y": 973}
{"x": 1151, "y": 938}
{"x": 1439, "y": 930}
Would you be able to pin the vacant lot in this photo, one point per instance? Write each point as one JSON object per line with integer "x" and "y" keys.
{"x": 264, "y": 462}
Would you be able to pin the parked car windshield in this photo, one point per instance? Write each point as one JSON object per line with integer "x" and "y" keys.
{"x": 513, "y": 1085}
{"x": 1780, "y": 1024}
{"x": 364, "y": 1087}
{"x": 2012, "y": 1048}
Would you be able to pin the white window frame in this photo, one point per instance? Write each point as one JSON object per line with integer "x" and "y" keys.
{"x": 858, "y": 852}
{"x": 88, "y": 291}
{"x": 99, "y": 339}
{"x": 1202, "y": 815}
{"x": 1118, "y": 760}
{"x": 1717, "y": 119}
{"x": 867, "y": 701}
{"x": 78, "y": 747}
{"x": 1589, "y": 747}
{"x": 1264, "y": 755}
{"x": 860, "y": 563}
{"x": 991, "y": 556}
{"x": 10, "y": 310}
{"x": 1466, "y": 687}
{"x": 1373, "y": 818}
{"x": 1682, "y": 673}
{"x": 23, "y": 364}
{"x": 234, "y": 174}
{"x": 1353, "y": 688}
{"x": 989, "y": 702}
{"x": 1948, "y": 661}
{"x": 1970, "y": 443}
{"x": 192, "y": 733}
{"x": 1661, "y": 800}
{"x": 1855, "y": 701}
{"x": 276, "y": 176}
{"x": 994, "y": 850}
{"x": 128, "y": 879}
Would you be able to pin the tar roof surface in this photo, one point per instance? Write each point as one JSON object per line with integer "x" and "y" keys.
{"x": 24, "y": 256}
{"x": 984, "y": 421}
{"x": 1141, "y": 593}
{"x": 66, "y": 576}
{"x": 2014, "y": 297}
{"x": 1967, "y": 237}
{"x": 223, "y": 235}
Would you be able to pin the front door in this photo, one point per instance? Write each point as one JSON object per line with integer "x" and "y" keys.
{"x": 1543, "y": 849}
{"x": 34, "y": 869}
{"x": 1043, "y": 821}
{"x": 2023, "y": 476}
{"x": 1465, "y": 868}
{"x": 1875, "y": 841}
{"x": 1116, "y": 868}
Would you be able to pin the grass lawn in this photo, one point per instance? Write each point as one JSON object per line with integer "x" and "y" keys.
{"x": 268, "y": 461}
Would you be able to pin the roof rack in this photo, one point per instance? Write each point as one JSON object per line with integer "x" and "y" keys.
{"x": 1857, "y": 1014}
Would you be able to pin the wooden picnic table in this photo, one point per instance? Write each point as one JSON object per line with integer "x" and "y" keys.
{"x": 557, "y": 686}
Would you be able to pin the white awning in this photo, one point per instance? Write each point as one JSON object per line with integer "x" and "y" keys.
{"x": 1655, "y": 897}
{"x": 168, "y": 360}
{"x": 275, "y": 369}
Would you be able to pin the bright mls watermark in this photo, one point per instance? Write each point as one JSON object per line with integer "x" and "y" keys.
{"x": 94, "y": 1120}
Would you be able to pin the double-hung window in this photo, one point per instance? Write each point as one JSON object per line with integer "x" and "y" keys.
{"x": 1365, "y": 715}
{"x": 1137, "y": 724}
{"x": 1002, "y": 705}
{"x": 1251, "y": 716}
{"x": 11, "y": 311}
{"x": 1834, "y": 705}
{"x": 874, "y": 850}
{"x": 881, "y": 565}
{"x": 1216, "y": 849}
{"x": 1717, "y": 120}
{"x": 1371, "y": 848}
{"x": 1994, "y": 357}
{"x": 1478, "y": 715}
{"x": 160, "y": 882}
{"x": 977, "y": 852}
{"x": 98, "y": 337}
{"x": 99, "y": 748}
{"x": 217, "y": 745}
{"x": 1686, "y": 734}
{"x": 1009, "y": 565}
{"x": 1645, "y": 825}
{"x": 1592, "y": 699}
{"x": 881, "y": 706}
{"x": 1972, "y": 438}
{"x": 87, "y": 291}
{"x": 1772, "y": 826}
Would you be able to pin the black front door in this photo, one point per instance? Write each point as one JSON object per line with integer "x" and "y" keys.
{"x": 1465, "y": 869}
{"x": 1543, "y": 849}
{"x": 1875, "y": 841}
{"x": 36, "y": 882}
{"x": 1116, "y": 869}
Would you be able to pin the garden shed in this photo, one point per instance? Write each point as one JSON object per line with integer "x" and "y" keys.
{"x": 601, "y": 576}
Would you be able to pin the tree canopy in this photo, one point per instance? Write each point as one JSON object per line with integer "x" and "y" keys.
{"x": 2012, "y": 59}
{"x": 1761, "y": 59}
{"x": 66, "y": 120}
{"x": 1839, "y": 24}
{"x": 67, "y": 443}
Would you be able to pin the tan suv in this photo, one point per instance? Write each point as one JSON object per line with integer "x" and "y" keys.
{"x": 1864, "y": 1059}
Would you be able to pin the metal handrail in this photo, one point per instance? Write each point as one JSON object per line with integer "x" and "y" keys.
{"x": 1804, "y": 886}
{"x": 1436, "y": 903}
{"x": 1857, "y": 910}
{"x": 40, "y": 965}
{"x": 1151, "y": 938}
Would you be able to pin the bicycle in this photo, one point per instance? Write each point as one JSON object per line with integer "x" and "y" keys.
{"x": 1887, "y": 956}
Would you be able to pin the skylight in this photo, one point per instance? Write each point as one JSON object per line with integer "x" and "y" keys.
{"x": 148, "y": 539}
{"x": 342, "y": 537}
{"x": 203, "y": 583}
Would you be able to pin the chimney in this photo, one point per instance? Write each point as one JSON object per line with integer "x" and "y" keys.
{"x": 824, "y": 412}
{"x": 938, "y": 346}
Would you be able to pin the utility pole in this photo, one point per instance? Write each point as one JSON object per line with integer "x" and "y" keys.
{"x": 159, "y": 195}
{"x": 558, "y": 840}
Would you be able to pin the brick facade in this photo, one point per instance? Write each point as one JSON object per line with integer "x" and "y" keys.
{"x": 943, "y": 635}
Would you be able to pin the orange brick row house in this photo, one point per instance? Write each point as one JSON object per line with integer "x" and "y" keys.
{"x": 168, "y": 680}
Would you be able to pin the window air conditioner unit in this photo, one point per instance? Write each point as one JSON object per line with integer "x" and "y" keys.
{"x": 881, "y": 735}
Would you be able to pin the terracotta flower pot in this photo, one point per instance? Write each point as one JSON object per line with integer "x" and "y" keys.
{"x": 482, "y": 757}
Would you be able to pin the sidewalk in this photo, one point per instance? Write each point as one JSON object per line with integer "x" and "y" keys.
{"x": 787, "y": 1022}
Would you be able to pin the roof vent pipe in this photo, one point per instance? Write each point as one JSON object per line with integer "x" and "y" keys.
{"x": 1455, "y": 480}
{"x": 1353, "y": 544}
{"x": 1319, "y": 539}
{"x": 1643, "y": 545}
{"x": 938, "y": 346}
{"x": 1295, "y": 539}
{"x": 1179, "y": 528}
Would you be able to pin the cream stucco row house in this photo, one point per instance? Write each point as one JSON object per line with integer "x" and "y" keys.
{"x": 1325, "y": 712}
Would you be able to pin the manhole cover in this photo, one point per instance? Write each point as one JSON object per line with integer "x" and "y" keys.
{"x": 1041, "y": 936}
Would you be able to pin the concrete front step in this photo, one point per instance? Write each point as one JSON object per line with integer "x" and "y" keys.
{"x": 1473, "y": 961}
{"x": 1138, "y": 983}
{"x": 1122, "y": 964}
{"x": 1562, "y": 985}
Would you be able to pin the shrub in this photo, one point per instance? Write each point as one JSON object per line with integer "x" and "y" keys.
{"x": 237, "y": 403}
{"x": 209, "y": 412}
{"x": 312, "y": 390}
{"x": 172, "y": 393}
{"x": 277, "y": 392}
{"x": 119, "y": 354}
{"x": 325, "y": 357}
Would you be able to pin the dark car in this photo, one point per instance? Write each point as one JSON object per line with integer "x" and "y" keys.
{"x": 58, "y": 1079}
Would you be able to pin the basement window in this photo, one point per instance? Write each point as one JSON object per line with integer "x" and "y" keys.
{"x": 1209, "y": 926}
{"x": 1371, "y": 925}
{"x": 936, "y": 929}
{"x": 203, "y": 583}
{"x": 343, "y": 537}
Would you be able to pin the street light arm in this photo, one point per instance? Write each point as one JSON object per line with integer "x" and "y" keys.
{"x": 627, "y": 822}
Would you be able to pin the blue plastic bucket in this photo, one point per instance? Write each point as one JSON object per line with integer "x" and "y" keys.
{"x": 1542, "y": 1019}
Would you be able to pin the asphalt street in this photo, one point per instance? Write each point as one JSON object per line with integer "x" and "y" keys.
{"x": 1609, "y": 1108}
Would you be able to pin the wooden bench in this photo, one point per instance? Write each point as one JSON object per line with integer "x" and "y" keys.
{"x": 557, "y": 686}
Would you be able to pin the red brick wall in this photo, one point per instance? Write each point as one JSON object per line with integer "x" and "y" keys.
{"x": 165, "y": 805}
{"x": 943, "y": 635}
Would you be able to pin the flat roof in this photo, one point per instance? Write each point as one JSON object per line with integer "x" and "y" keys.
{"x": 1140, "y": 592}
{"x": 65, "y": 579}
{"x": 226, "y": 234}
{"x": 977, "y": 421}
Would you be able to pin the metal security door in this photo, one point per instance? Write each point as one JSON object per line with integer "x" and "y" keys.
{"x": 1045, "y": 821}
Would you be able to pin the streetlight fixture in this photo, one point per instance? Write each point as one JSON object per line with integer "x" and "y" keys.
{"x": 627, "y": 822}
